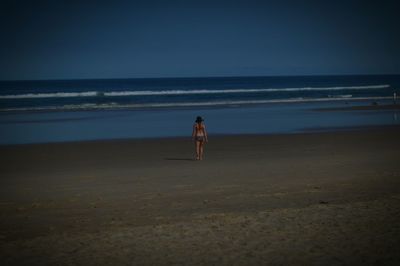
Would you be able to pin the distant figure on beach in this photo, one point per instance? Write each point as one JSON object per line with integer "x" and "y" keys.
{"x": 199, "y": 136}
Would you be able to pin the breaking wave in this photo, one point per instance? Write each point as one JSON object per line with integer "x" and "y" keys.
{"x": 116, "y": 106}
{"x": 183, "y": 92}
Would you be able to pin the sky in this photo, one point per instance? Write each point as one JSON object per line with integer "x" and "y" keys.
{"x": 145, "y": 39}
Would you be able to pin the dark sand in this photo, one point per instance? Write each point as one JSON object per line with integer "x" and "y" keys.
{"x": 304, "y": 199}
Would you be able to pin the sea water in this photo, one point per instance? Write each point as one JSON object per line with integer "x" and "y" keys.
{"x": 74, "y": 110}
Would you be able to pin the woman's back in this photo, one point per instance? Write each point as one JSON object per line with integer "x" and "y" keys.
{"x": 199, "y": 129}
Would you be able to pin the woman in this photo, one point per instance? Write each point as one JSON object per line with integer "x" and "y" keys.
{"x": 199, "y": 136}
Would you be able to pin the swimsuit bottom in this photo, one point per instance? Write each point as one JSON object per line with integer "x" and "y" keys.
{"x": 199, "y": 138}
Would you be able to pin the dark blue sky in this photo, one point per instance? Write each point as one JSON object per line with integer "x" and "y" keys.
{"x": 129, "y": 39}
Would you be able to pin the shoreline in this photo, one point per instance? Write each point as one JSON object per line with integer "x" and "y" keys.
{"x": 307, "y": 131}
{"x": 211, "y": 106}
{"x": 271, "y": 119}
{"x": 371, "y": 107}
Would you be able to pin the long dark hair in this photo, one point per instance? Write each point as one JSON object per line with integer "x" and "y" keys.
{"x": 199, "y": 119}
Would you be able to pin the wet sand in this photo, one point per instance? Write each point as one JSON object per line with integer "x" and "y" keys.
{"x": 303, "y": 199}
{"x": 371, "y": 107}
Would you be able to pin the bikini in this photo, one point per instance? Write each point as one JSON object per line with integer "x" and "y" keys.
{"x": 199, "y": 138}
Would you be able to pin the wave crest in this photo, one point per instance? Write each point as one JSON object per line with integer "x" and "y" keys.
{"x": 182, "y": 92}
{"x": 115, "y": 106}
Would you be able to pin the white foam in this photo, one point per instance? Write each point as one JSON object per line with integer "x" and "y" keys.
{"x": 106, "y": 106}
{"x": 51, "y": 95}
{"x": 183, "y": 92}
{"x": 177, "y": 92}
{"x": 341, "y": 96}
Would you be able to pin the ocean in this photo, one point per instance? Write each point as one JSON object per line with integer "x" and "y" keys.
{"x": 75, "y": 110}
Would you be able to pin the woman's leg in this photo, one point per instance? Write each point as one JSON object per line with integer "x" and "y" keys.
{"x": 197, "y": 144}
{"x": 201, "y": 149}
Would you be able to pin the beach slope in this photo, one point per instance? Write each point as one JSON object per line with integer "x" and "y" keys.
{"x": 309, "y": 199}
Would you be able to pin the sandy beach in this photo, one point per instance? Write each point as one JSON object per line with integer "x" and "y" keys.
{"x": 297, "y": 199}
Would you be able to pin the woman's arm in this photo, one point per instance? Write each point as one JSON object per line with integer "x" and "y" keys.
{"x": 194, "y": 132}
{"x": 205, "y": 133}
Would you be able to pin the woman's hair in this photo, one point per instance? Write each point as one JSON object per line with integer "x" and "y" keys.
{"x": 199, "y": 119}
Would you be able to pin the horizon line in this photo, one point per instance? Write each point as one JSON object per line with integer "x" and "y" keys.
{"x": 199, "y": 77}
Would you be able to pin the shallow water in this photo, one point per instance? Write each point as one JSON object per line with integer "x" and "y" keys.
{"x": 42, "y": 127}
